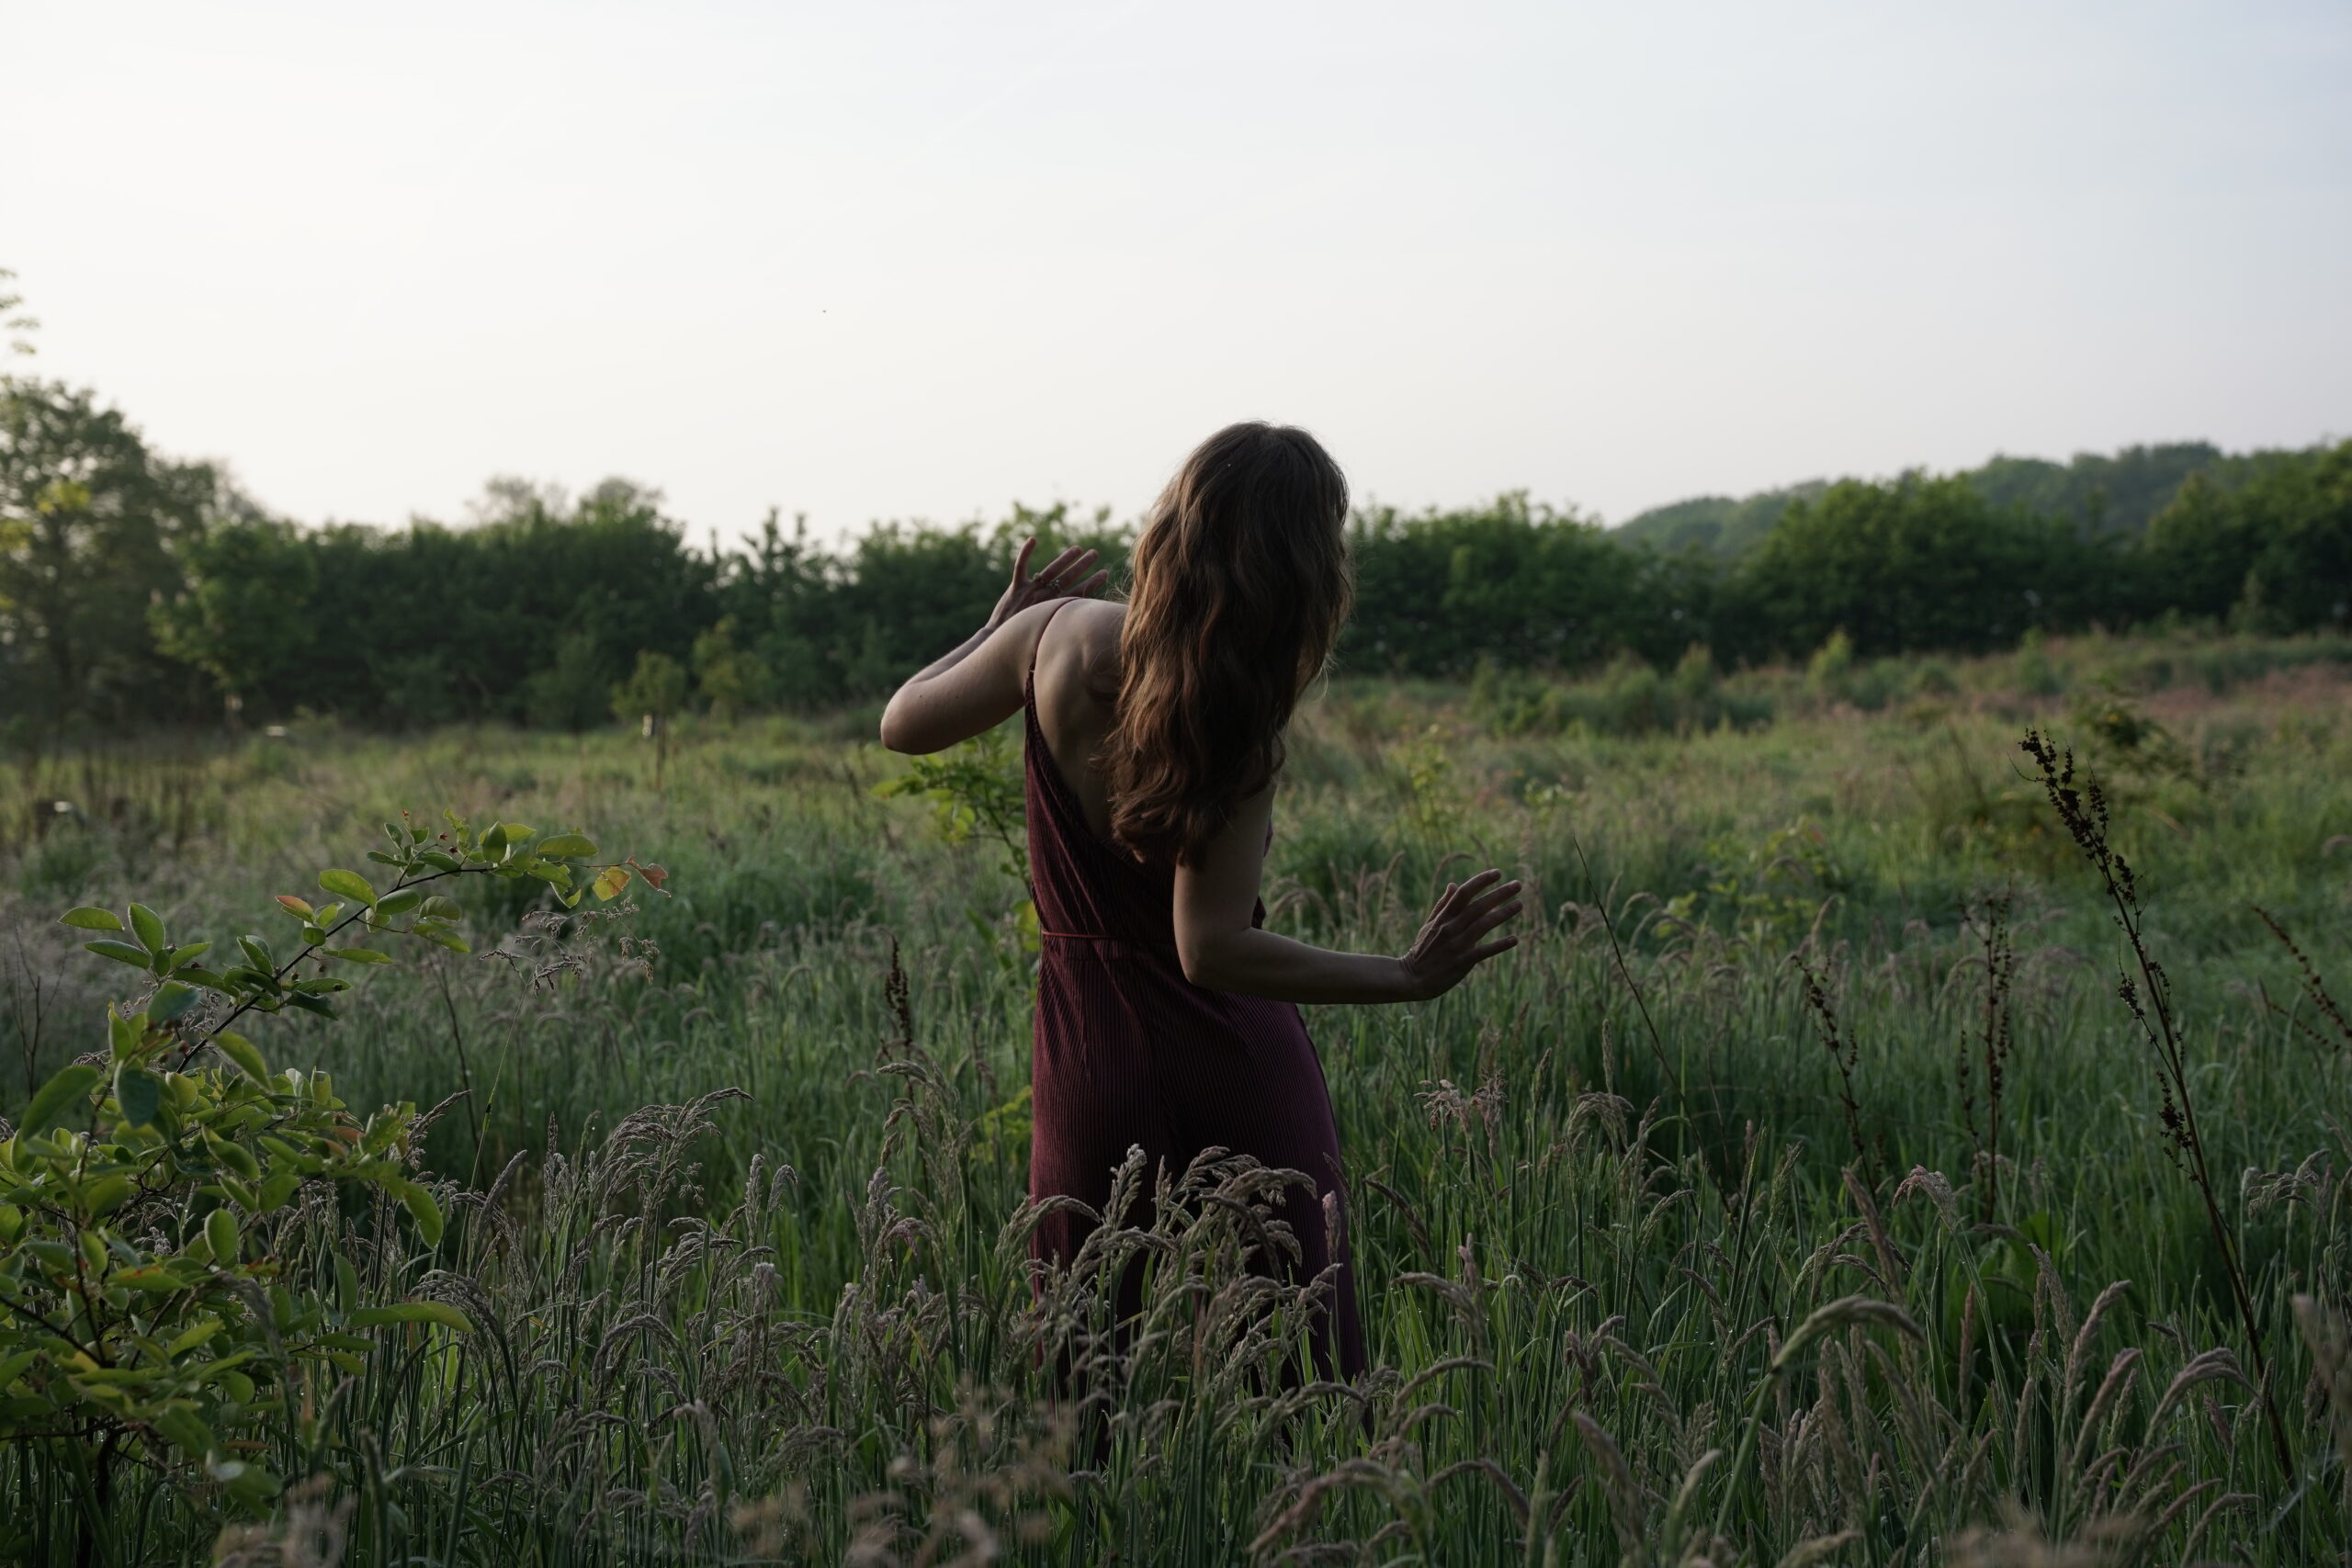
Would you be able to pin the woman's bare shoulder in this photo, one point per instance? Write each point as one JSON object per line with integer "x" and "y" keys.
{"x": 1094, "y": 625}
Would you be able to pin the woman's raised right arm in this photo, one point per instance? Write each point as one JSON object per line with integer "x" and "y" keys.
{"x": 976, "y": 685}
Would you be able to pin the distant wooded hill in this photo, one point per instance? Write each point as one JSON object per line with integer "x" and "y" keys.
{"x": 2119, "y": 494}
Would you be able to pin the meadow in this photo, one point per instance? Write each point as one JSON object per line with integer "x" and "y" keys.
{"x": 1801, "y": 1189}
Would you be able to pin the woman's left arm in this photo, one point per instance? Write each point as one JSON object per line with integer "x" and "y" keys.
{"x": 977, "y": 685}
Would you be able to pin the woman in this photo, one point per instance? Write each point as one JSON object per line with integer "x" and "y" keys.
{"x": 1166, "y": 1017}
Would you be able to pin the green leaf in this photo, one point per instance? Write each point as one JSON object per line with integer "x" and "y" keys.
{"x": 90, "y": 917}
{"x": 566, "y": 846}
{"x": 180, "y": 958}
{"x": 150, "y": 1277}
{"x": 359, "y": 954}
{"x": 349, "y": 883}
{"x": 69, "y": 1090}
{"x": 236, "y": 1156}
{"x": 107, "y": 1194}
{"x": 400, "y": 901}
{"x": 240, "y": 1050}
{"x": 186, "y": 1432}
{"x": 346, "y": 1285}
{"x": 148, "y": 927}
{"x": 424, "y": 1211}
{"x": 609, "y": 883}
{"x": 441, "y": 1313}
{"x": 194, "y": 1336}
{"x": 220, "y": 1235}
{"x": 171, "y": 1000}
{"x": 442, "y": 908}
{"x": 139, "y": 1093}
{"x": 121, "y": 952}
{"x": 248, "y": 1482}
{"x": 275, "y": 1190}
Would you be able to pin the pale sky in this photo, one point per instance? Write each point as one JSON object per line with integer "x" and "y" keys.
{"x": 871, "y": 259}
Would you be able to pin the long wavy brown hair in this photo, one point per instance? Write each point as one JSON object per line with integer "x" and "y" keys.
{"x": 1241, "y": 584}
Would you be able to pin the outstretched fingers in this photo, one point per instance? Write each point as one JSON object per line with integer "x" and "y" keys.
{"x": 1066, "y": 568}
{"x": 1474, "y": 909}
{"x": 1457, "y": 894}
{"x": 1493, "y": 900}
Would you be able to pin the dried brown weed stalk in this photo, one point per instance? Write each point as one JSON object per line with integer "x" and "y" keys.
{"x": 2083, "y": 810}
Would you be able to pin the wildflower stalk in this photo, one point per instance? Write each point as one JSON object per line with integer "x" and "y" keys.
{"x": 2083, "y": 810}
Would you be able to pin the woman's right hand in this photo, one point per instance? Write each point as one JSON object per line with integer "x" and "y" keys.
{"x": 1453, "y": 941}
{"x": 1067, "y": 576}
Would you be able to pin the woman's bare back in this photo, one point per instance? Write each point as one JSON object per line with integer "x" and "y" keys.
{"x": 1076, "y": 677}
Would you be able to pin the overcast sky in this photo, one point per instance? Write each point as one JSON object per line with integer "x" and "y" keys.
{"x": 872, "y": 259}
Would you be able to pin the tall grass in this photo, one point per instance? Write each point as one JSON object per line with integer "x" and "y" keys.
{"x": 737, "y": 1184}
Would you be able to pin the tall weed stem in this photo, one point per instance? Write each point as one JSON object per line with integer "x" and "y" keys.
{"x": 2083, "y": 810}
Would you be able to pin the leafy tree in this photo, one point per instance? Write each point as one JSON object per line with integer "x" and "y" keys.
{"x": 538, "y": 586}
{"x": 572, "y": 693}
{"x": 244, "y": 618}
{"x": 778, "y": 594}
{"x": 88, "y": 519}
{"x": 1918, "y": 563}
{"x": 730, "y": 679}
{"x": 655, "y": 691}
{"x": 1517, "y": 584}
{"x": 18, "y": 327}
{"x": 2301, "y": 513}
{"x": 2099, "y": 493}
{"x": 2197, "y": 552}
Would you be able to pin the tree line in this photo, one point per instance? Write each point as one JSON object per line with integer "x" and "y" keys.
{"x": 137, "y": 589}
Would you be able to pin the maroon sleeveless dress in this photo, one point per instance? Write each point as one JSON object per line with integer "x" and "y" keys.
{"x": 1130, "y": 1053}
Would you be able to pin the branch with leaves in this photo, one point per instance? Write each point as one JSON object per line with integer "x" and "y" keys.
{"x": 152, "y": 1303}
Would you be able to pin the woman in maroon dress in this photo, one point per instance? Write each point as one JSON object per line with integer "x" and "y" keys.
{"x": 1167, "y": 1015}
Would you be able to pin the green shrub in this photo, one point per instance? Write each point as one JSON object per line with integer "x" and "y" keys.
{"x": 159, "y": 1308}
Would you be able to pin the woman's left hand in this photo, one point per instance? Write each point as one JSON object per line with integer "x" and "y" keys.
{"x": 1064, "y": 577}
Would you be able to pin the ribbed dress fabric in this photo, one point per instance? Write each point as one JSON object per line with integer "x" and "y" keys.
{"x": 1130, "y": 1053}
